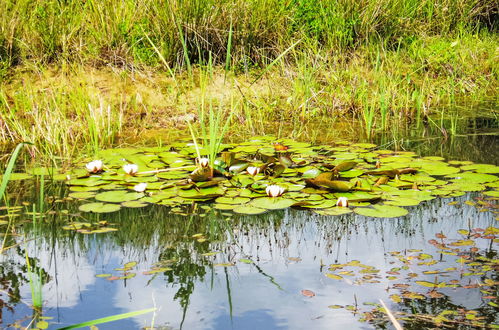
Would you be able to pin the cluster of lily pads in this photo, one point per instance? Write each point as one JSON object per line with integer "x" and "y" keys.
{"x": 422, "y": 279}
{"x": 261, "y": 174}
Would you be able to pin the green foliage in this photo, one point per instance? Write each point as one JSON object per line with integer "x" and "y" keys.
{"x": 106, "y": 32}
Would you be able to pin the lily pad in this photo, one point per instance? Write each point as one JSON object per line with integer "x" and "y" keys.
{"x": 99, "y": 207}
{"x": 481, "y": 168}
{"x": 248, "y": 209}
{"x": 381, "y": 211}
{"x": 118, "y": 196}
{"x": 134, "y": 204}
{"x": 334, "y": 211}
{"x": 271, "y": 203}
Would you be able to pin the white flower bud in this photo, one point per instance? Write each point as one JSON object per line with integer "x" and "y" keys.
{"x": 141, "y": 187}
{"x": 203, "y": 162}
{"x": 253, "y": 170}
{"x": 274, "y": 190}
{"x": 131, "y": 169}
{"x": 94, "y": 166}
{"x": 342, "y": 202}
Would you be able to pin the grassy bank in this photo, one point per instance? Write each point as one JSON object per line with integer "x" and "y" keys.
{"x": 82, "y": 73}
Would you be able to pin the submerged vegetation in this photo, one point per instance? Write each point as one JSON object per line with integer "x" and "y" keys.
{"x": 80, "y": 74}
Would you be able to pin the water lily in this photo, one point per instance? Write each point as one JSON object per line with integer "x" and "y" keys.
{"x": 203, "y": 162}
{"x": 131, "y": 169}
{"x": 253, "y": 170}
{"x": 342, "y": 202}
{"x": 274, "y": 190}
{"x": 94, "y": 166}
{"x": 141, "y": 187}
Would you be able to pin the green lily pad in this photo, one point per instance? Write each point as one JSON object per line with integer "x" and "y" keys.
{"x": 118, "y": 196}
{"x": 481, "y": 168}
{"x": 99, "y": 207}
{"x": 491, "y": 193}
{"x": 440, "y": 169}
{"x": 82, "y": 194}
{"x": 134, "y": 204}
{"x": 402, "y": 201}
{"x": 474, "y": 177}
{"x": 233, "y": 200}
{"x": 334, "y": 211}
{"x": 271, "y": 203}
{"x": 381, "y": 211}
{"x": 248, "y": 209}
{"x": 220, "y": 206}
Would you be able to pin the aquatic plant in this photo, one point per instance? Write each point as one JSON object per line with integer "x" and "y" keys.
{"x": 94, "y": 166}
{"x": 374, "y": 182}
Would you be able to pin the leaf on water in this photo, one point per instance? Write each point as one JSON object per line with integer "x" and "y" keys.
{"x": 271, "y": 203}
{"x": 463, "y": 242}
{"x": 42, "y": 324}
{"x": 103, "y": 275}
{"x": 334, "y": 276}
{"x": 248, "y": 209}
{"x": 130, "y": 264}
{"x": 308, "y": 293}
{"x": 246, "y": 261}
{"x": 381, "y": 211}
{"x": 335, "y": 306}
{"x": 99, "y": 207}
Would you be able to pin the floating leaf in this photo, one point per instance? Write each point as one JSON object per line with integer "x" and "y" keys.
{"x": 308, "y": 293}
{"x": 118, "y": 196}
{"x": 248, "y": 209}
{"x": 99, "y": 207}
{"x": 271, "y": 203}
{"x": 481, "y": 168}
{"x": 381, "y": 211}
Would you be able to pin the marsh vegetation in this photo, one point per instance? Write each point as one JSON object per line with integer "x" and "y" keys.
{"x": 270, "y": 164}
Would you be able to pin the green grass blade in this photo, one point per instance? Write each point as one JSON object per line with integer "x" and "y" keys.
{"x": 108, "y": 319}
{"x": 227, "y": 56}
{"x": 10, "y": 168}
{"x": 275, "y": 61}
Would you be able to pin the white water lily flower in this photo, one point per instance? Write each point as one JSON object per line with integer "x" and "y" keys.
{"x": 203, "y": 162}
{"x": 253, "y": 170}
{"x": 94, "y": 166}
{"x": 131, "y": 169}
{"x": 342, "y": 202}
{"x": 274, "y": 190}
{"x": 141, "y": 187}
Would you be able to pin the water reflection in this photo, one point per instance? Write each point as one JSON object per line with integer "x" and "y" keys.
{"x": 274, "y": 257}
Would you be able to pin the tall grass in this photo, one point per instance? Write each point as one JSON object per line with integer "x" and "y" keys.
{"x": 184, "y": 31}
{"x": 86, "y": 73}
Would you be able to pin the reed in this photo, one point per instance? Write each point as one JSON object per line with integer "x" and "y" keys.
{"x": 90, "y": 73}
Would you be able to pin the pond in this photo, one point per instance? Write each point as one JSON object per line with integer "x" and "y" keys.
{"x": 205, "y": 267}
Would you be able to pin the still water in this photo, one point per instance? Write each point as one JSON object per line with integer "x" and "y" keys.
{"x": 223, "y": 271}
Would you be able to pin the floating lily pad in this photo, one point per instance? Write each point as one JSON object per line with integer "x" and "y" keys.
{"x": 381, "y": 211}
{"x": 491, "y": 193}
{"x": 271, "y": 203}
{"x": 118, "y": 196}
{"x": 474, "y": 177}
{"x": 99, "y": 207}
{"x": 334, "y": 211}
{"x": 248, "y": 209}
{"x": 481, "y": 168}
{"x": 232, "y": 200}
{"x": 134, "y": 204}
{"x": 401, "y": 201}
{"x": 82, "y": 194}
